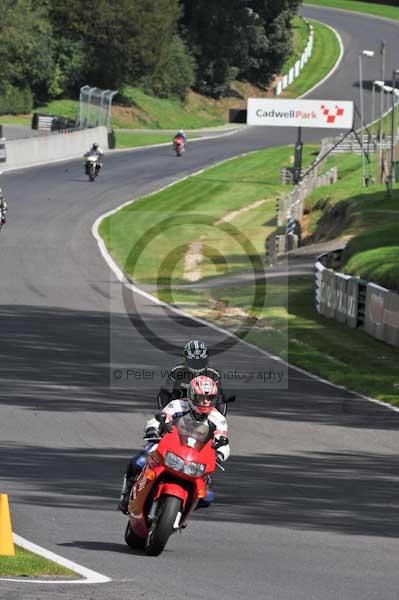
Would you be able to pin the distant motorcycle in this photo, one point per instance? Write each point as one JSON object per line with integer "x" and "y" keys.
{"x": 92, "y": 166}
{"x": 179, "y": 146}
{"x": 2, "y": 219}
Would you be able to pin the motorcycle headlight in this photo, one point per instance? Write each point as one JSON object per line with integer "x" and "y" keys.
{"x": 174, "y": 462}
{"x": 194, "y": 469}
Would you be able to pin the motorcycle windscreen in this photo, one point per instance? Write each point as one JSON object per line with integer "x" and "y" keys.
{"x": 192, "y": 433}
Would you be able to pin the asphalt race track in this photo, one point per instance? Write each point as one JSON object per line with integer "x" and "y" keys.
{"x": 308, "y": 506}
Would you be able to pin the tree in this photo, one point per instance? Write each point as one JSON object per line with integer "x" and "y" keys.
{"x": 26, "y": 53}
{"x": 124, "y": 41}
{"x": 237, "y": 38}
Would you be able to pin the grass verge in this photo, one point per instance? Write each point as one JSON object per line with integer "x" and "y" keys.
{"x": 27, "y": 564}
{"x": 125, "y": 139}
{"x": 229, "y": 210}
{"x": 297, "y": 333}
{"x": 300, "y": 34}
{"x": 325, "y": 54}
{"x": 379, "y": 10}
{"x": 16, "y": 120}
{"x": 62, "y": 108}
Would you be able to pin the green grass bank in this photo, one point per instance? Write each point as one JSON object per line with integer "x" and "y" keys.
{"x": 367, "y": 217}
{"x": 326, "y": 51}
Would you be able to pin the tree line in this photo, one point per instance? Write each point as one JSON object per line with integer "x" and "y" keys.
{"x": 49, "y": 48}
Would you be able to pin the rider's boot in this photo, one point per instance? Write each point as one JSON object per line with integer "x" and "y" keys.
{"x": 134, "y": 467}
{"x": 125, "y": 494}
{"x": 209, "y": 498}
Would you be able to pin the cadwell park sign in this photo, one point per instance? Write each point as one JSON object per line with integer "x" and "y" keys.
{"x": 329, "y": 114}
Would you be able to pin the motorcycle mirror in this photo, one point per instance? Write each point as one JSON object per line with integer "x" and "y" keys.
{"x": 221, "y": 441}
{"x": 230, "y": 399}
{"x": 160, "y": 417}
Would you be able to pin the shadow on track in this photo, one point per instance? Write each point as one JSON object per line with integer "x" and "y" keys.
{"x": 65, "y": 367}
{"x": 351, "y": 493}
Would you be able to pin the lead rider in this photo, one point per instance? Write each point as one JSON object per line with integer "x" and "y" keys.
{"x": 201, "y": 404}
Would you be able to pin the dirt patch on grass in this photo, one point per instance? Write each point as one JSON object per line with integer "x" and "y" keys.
{"x": 332, "y": 221}
{"x": 194, "y": 257}
{"x": 235, "y": 317}
{"x": 235, "y": 213}
{"x": 192, "y": 261}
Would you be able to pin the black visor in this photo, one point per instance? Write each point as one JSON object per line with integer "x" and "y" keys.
{"x": 197, "y": 364}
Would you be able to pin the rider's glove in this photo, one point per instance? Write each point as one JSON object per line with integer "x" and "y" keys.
{"x": 151, "y": 434}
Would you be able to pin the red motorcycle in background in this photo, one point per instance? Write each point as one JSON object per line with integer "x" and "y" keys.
{"x": 168, "y": 488}
{"x": 179, "y": 145}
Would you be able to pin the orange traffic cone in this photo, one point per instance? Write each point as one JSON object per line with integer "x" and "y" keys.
{"x": 6, "y": 539}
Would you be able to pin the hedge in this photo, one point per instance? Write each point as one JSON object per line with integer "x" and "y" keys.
{"x": 14, "y": 100}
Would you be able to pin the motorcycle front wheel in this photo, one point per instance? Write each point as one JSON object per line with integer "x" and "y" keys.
{"x": 92, "y": 172}
{"x": 162, "y": 528}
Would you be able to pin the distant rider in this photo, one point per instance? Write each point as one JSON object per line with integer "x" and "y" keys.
{"x": 180, "y": 137}
{"x": 96, "y": 151}
{"x": 182, "y": 134}
{"x": 200, "y": 403}
{"x": 3, "y": 207}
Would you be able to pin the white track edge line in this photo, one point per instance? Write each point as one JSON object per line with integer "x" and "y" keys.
{"x": 89, "y": 575}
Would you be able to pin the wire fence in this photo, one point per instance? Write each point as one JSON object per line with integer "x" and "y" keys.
{"x": 95, "y": 107}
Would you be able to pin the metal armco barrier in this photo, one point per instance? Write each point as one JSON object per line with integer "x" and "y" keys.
{"x": 382, "y": 314}
{"x": 297, "y": 68}
{"x": 356, "y": 303}
{"x": 44, "y": 123}
{"x": 356, "y": 292}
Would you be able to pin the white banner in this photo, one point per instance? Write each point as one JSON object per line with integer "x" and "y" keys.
{"x": 329, "y": 114}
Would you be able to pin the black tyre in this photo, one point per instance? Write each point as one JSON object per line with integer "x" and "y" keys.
{"x": 131, "y": 539}
{"x": 92, "y": 172}
{"x": 162, "y": 527}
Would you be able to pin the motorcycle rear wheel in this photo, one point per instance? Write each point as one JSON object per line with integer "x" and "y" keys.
{"x": 162, "y": 528}
{"x": 133, "y": 540}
